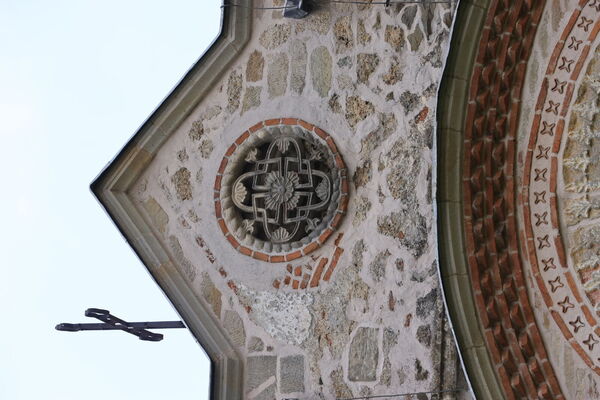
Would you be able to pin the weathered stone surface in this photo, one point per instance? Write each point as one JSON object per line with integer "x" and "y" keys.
{"x": 318, "y": 21}
{"x": 267, "y": 394}
{"x": 184, "y": 264}
{"x": 581, "y": 208}
{"x": 421, "y": 274}
{"x": 159, "y": 217}
{"x": 283, "y": 315}
{"x": 320, "y": 70}
{"x": 365, "y": 391}
{"x": 408, "y": 16}
{"x": 363, "y": 174}
{"x": 259, "y": 369}
{"x": 275, "y": 36}
{"x": 340, "y": 389}
{"x": 182, "y": 183}
{"x": 366, "y": 65}
{"x": 390, "y": 339}
{"x": 298, "y": 66}
{"x": 448, "y": 19}
{"x": 345, "y": 82}
{"x": 394, "y": 35}
{"x": 364, "y": 355}
{"x": 255, "y": 66}
{"x": 585, "y": 252}
{"x": 329, "y": 311}
{"x": 377, "y": 24}
{"x": 182, "y": 155}
{"x": 402, "y": 178}
{"x": 394, "y": 74}
{"x": 421, "y": 374}
{"x": 234, "y": 91}
{"x": 363, "y": 206}
{"x": 377, "y": 266}
{"x": 345, "y": 62}
{"x": 199, "y": 179}
{"x": 210, "y": 293}
{"x": 424, "y": 335}
{"x": 251, "y": 98}
{"x": 409, "y": 101}
{"x": 386, "y": 373}
{"x": 234, "y": 325}
{"x": 344, "y": 38}
{"x": 386, "y": 127}
{"x": 334, "y": 104}
{"x": 277, "y": 75}
{"x": 291, "y": 374}
{"x": 206, "y": 147}
{"x": 357, "y": 110}
{"x": 415, "y": 38}
{"x": 212, "y": 112}
{"x": 427, "y": 304}
{"x": 363, "y": 37}
{"x": 427, "y": 17}
{"x": 197, "y": 130}
{"x": 255, "y": 344}
{"x": 408, "y": 227}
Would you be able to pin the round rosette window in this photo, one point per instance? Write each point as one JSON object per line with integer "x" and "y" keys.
{"x": 281, "y": 190}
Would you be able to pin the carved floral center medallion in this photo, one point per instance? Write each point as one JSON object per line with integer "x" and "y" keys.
{"x": 282, "y": 190}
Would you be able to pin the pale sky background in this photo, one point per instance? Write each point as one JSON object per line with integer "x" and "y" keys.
{"x": 77, "y": 78}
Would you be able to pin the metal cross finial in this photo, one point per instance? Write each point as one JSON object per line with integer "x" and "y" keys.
{"x": 110, "y": 322}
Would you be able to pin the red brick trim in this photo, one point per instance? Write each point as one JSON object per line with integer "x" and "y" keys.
{"x": 314, "y": 272}
{"x": 549, "y": 263}
{"x": 339, "y": 213}
{"x": 489, "y": 201}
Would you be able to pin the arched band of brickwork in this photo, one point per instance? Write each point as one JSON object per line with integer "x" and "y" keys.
{"x": 479, "y": 254}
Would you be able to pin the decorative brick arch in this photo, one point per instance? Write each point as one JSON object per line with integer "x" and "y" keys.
{"x": 479, "y": 250}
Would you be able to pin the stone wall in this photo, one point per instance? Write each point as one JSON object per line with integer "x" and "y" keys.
{"x": 374, "y": 321}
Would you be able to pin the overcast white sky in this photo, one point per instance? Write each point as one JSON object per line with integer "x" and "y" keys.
{"x": 77, "y": 78}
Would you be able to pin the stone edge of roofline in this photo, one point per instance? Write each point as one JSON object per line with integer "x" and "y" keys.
{"x": 111, "y": 188}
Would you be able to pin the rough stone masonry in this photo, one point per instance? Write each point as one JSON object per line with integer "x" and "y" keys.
{"x": 361, "y": 314}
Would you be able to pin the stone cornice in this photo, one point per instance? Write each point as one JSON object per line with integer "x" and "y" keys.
{"x": 112, "y": 188}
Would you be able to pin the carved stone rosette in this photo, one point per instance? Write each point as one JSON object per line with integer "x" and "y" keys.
{"x": 281, "y": 190}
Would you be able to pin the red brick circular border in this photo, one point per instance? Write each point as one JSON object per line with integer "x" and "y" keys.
{"x": 339, "y": 213}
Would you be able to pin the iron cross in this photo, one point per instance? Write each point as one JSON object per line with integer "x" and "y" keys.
{"x": 110, "y": 322}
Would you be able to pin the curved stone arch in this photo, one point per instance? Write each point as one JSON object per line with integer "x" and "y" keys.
{"x": 478, "y": 111}
{"x": 113, "y": 186}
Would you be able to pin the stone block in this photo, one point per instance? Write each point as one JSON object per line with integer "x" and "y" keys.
{"x": 259, "y": 369}
{"x": 364, "y": 355}
{"x": 291, "y": 374}
{"x": 235, "y": 327}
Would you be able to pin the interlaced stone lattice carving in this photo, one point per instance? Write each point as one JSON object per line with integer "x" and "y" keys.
{"x": 283, "y": 195}
{"x": 283, "y": 188}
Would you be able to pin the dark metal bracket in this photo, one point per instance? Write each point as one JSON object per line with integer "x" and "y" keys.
{"x": 110, "y": 322}
{"x": 296, "y": 9}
